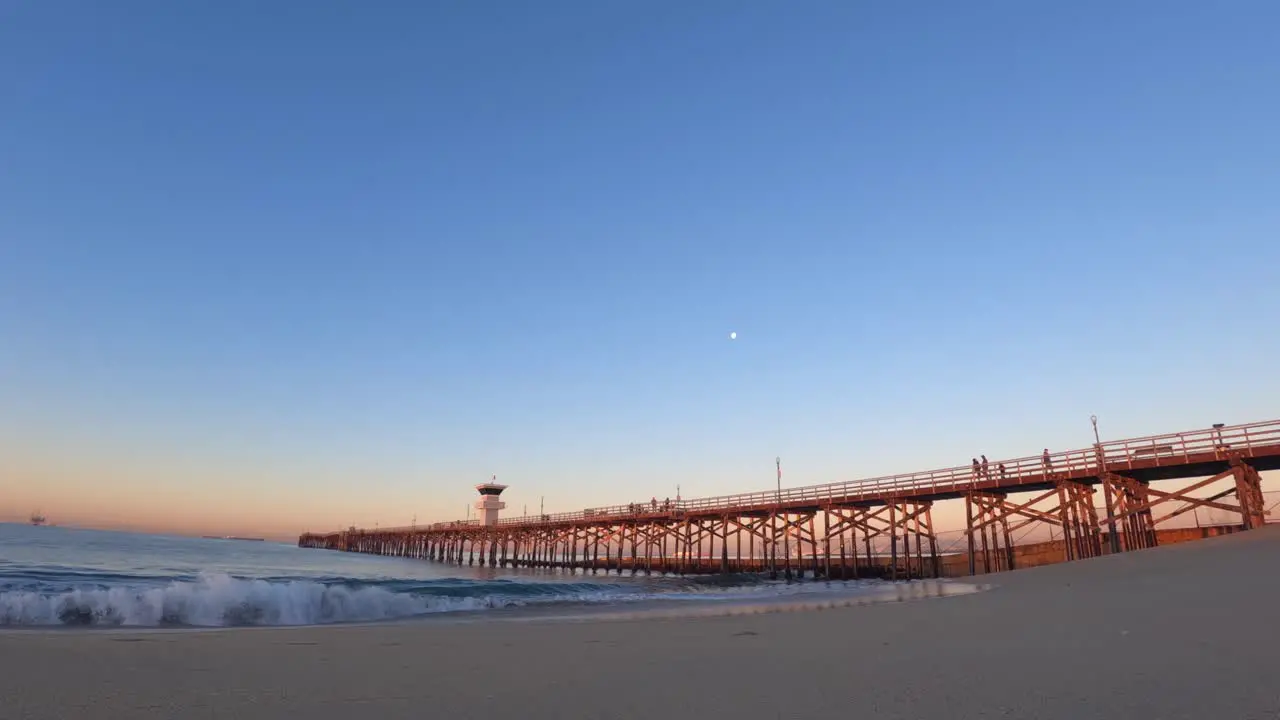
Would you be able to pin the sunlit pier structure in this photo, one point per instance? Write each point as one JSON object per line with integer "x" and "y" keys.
{"x": 830, "y": 530}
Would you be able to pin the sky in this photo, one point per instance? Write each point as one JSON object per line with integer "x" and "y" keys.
{"x": 267, "y": 268}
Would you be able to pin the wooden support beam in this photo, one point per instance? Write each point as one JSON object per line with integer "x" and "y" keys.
{"x": 1163, "y": 497}
{"x": 1253, "y": 511}
{"x": 968, "y": 519}
{"x": 826, "y": 543}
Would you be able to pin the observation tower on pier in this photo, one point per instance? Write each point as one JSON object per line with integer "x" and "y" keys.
{"x": 488, "y": 505}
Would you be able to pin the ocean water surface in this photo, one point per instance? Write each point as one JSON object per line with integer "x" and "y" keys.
{"x": 54, "y": 576}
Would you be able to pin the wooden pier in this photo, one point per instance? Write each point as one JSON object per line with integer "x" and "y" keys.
{"x": 838, "y": 530}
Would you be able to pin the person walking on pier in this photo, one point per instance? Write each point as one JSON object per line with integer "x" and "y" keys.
{"x": 1047, "y": 462}
{"x": 986, "y": 470}
{"x": 1000, "y": 468}
{"x": 977, "y": 469}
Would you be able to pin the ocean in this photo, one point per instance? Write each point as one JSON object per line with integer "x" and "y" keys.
{"x": 66, "y": 577}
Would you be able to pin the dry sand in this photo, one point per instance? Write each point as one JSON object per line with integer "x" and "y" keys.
{"x": 1185, "y": 631}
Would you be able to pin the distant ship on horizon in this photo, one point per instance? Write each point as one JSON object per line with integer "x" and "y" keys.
{"x": 234, "y": 537}
{"x": 37, "y": 519}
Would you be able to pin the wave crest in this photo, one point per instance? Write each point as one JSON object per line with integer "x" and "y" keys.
{"x": 223, "y": 601}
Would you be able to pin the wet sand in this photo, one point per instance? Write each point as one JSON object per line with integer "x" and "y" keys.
{"x": 1185, "y": 631}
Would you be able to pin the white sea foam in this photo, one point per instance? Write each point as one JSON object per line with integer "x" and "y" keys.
{"x": 220, "y": 601}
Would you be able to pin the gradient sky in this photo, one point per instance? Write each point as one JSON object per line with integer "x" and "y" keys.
{"x": 267, "y": 267}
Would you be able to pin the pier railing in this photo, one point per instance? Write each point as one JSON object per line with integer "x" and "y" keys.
{"x": 1114, "y": 456}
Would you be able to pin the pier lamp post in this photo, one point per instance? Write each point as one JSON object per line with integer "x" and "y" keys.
{"x": 1113, "y": 538}
{"x": 777, "y": 461}
{"x": 1099, "y": 456}
{"x": 786, "y": 537}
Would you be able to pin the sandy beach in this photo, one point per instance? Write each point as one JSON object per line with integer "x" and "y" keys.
{"x": 1185, "y": 631}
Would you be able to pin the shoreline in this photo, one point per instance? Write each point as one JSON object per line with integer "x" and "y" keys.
{"x": 1171, "y": 632}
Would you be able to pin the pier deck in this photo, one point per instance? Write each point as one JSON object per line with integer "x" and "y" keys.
{"x": 839, "y": 529}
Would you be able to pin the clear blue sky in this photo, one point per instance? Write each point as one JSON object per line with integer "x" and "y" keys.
{"x": 384, "y": 250}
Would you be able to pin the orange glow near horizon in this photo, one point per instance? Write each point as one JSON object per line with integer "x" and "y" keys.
{"x": 90, "y": 491}
{"x": 127, "y": 483}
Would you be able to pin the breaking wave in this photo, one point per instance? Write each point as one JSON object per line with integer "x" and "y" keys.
{"x": 220, "y": 600}
{"x": 217, "y": 600}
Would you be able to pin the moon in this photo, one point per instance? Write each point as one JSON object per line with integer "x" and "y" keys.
{"x": 733, "y": 336}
